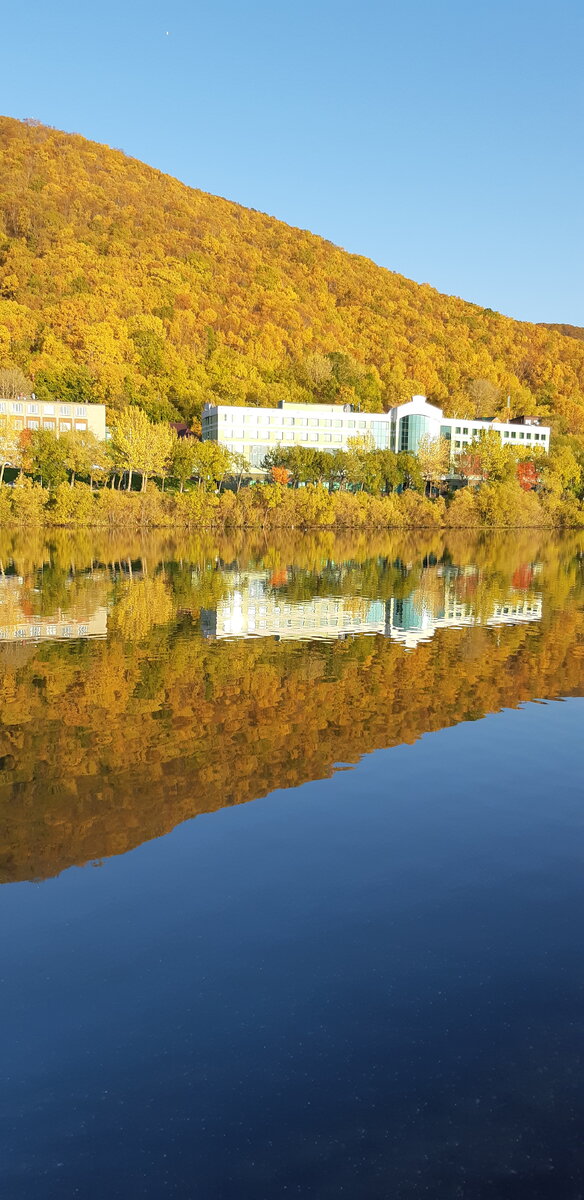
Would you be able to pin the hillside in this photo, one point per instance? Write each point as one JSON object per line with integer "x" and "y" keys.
{"x": 575, "y": 331}
{"x": 120, "y": 283}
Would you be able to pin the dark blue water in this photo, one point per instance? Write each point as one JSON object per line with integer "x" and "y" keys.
{"x": 371, "y": 987}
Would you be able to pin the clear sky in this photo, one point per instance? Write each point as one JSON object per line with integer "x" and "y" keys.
{"x": 443, "y": 140}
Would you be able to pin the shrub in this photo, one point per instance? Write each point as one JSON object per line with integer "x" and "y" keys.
{"x": 73, "y": 505}
{"x": 28, "y": 502}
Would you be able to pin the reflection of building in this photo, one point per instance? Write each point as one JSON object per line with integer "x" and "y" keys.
{"x": 253, "y": 608}
{"x": 411, "y": 621}
{"x": 55, "y": 628}
{"x": 255, "y": 431}
{"x": 19, "y": 624}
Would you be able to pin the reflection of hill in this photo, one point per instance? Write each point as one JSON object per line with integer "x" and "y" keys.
{"x": 110, "y": 744}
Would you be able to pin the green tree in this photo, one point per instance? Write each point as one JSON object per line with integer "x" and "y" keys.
{"x": 45, "y": 456}
{"x": 182, "y": 460}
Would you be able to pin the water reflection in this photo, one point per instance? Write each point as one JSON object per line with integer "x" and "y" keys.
{"x": 146, "y": 680}
{"x": 444, "y": 597}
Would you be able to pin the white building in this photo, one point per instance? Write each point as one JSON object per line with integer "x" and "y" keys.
{"x": 255, "y": 431}
{"x": 60, "y": 416}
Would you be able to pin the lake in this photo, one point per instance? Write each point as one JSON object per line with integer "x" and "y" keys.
{"x": 292, "y": 866}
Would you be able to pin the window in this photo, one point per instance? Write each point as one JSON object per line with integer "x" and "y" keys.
{"x": 528, "y": 436}
{"x": 33, "y": 408}
{"x": 2, "y": 406}
{"x": 457, "y": 430}
{"x": 65, "y": 426}
{"x": 465, "y": 429}
{"x": 17, "y": 407}
{"x": 522, "y": 436}
{"x": 48, "y": 410}
{"x": 32, "y": 423}
{"x": 457, "y": 444}
{"x": 337, "y": 424}
{"x": 513, "y": 433}
{"x": 65, "y": 409}
{"x": 312, "y": 421}
{"x": 362, "y": 424}
{"x": 325, "y": 424}
{"x": 350, "y": 424}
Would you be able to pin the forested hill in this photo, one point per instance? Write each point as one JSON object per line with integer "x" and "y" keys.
{"x": 120, "y": 283}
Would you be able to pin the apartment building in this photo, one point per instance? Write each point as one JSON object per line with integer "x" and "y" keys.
{"x": 27, "y": 412}
{"x": 255, "y": 431}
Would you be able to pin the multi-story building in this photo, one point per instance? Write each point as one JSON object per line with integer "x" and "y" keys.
{"x": 255, "y": 431}
{"x": 59, "y": 416}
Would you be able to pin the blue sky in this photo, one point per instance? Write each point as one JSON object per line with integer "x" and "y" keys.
{"x": 443, "y": 140}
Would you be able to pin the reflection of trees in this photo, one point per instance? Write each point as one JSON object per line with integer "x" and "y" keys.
{"x": 142, "y": 604}
{"x": 105, "y": 744}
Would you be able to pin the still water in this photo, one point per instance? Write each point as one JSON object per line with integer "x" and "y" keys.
{"x": 359, "y": 970}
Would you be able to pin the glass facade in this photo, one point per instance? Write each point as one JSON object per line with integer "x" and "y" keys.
{"x": 380, "y": 433}
{"x": 411, "y": 429}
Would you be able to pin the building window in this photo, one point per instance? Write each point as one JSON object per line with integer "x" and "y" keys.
{"x": 513, "y": 433}
{"x": 457, "y": 430}
{"x": 17, "y": 407}
{"x": 457, "y": 444}
{"x": 48, "y": 410}
{"x": 65, "y": 426}
{"x": 65, "y": 409}
{"x": 33, "y": 408}
{"x": 48, "y": 424}
{"x": 465, "y": 429}
{"x": 32, "y": 423}
{"x": 312, "y": 421}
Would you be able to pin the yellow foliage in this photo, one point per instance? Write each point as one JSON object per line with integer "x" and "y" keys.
{"x": 123, "y": 283}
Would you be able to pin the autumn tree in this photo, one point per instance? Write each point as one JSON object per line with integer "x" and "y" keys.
{"x": 139, "y": 446}
{"x": 10, "y": 450}
{"x": 280, "y": 475}
{"x": 14, "y": 383}
{"x": 487, "y": 457}
{"x": 434, "y": 458}
{"x": 84, "y": 454}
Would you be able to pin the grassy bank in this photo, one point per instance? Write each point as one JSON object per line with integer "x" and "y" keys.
{"x": 273, "y": 506}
